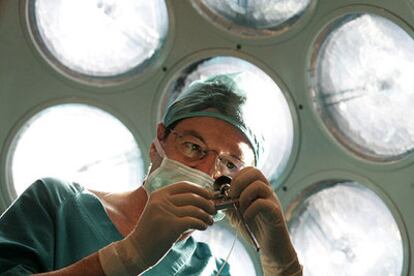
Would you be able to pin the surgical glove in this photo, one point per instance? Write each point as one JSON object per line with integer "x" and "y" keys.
{"x": 262, "y": 211}
{"x": 170, "y": 212}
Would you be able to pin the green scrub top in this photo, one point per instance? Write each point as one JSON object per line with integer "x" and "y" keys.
{"x": 56, "y": 223}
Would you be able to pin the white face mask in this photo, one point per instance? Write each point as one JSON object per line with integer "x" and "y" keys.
{"x": 171, "y": 171}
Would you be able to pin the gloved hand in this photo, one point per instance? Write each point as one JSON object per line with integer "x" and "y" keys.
{"x": 169, "y": 212}
{"x": 263, "y": 213}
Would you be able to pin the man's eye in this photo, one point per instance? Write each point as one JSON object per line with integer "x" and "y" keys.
{"x": 229, "y": 165}
{"x": 192, "y": 149}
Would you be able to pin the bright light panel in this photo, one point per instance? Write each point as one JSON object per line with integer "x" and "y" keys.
{"x": 221, "y": 241}
{"x": 346, "y": 229}
{"x": 101, "y": 38}
{"x": 250, "y": 17}
{"x": 364, "y": 87}
{"x": 78, "y": 143}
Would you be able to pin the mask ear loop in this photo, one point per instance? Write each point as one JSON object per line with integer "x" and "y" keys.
{"x": 158, "y": 147}
{"x": 159, "y": 150}
{"x": 231, "y": 251}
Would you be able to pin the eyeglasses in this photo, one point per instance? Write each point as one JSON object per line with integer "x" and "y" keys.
{"x": 193, "y": 150}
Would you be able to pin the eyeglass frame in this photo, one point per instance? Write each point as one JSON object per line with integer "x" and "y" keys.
{"x": 239, "y": 164}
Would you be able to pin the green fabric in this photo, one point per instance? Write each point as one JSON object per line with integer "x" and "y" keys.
{"x": 55, "y": 223}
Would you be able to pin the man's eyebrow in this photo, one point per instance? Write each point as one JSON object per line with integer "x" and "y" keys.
{"x": 195, "y": 134}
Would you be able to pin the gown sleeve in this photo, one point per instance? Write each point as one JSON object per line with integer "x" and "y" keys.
{"x": 27, "y": 232}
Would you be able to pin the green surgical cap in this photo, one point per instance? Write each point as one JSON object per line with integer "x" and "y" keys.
{"x": 218, "y": 97}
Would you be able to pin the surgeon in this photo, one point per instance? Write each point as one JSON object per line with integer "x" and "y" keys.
{"x": 60, "y": 228}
